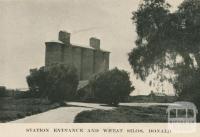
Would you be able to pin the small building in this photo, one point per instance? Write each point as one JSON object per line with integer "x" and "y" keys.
{"x": 87, "y": 60}
{"x": 157, "y": 94}
{"x": 182, "y": 112}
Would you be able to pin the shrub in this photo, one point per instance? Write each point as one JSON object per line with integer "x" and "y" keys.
{"x": 112, "y": 86}
{"x": 124, "y": 114}
{"x": 2, "y": 91}
{"x": 58, "y": 82}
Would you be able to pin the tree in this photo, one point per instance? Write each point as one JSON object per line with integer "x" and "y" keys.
{"x": 58, "y": 82}
{"x": 169, "y": 41}
{"x": 111, "y": 86}
{"x": 37, "y": 82}
{"x": 175, "y": 34}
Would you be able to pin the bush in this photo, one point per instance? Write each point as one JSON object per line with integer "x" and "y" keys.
{"x": 112, "y": 86}
{"x": 2, "y": 91}
{"x": 124, "y": 114}
{"x": 58, "y": 82}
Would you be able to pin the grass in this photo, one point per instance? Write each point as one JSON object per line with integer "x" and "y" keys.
{"x": 12, "y": 109}
{"x": 124, "y": 114}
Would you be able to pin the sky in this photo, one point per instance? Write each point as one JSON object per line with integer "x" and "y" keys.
{"x": 27, "y": 24}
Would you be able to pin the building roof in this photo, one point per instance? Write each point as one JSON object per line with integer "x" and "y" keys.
{"x": 182, "y": 105}
{"x": 82, "y": 84}
{"x": 77, "y": 45}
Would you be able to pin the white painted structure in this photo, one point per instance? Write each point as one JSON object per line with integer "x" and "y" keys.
{"x": 182, "y": 112}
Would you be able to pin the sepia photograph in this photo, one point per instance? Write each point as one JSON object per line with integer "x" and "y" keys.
{"x": 100, "y": 61}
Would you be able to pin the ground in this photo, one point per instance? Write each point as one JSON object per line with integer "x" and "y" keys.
{"x": 63, "y": 114}
{"x": 124, "y": 114}
{"x": 12, "y": 108}
{"x": 67, "y": 114}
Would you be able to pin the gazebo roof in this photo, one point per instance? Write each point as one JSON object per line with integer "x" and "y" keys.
{"x": 182, "y": 105}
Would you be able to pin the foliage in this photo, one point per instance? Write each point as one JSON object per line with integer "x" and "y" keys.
{"x": 12, "y": 108}
{"x": 111, "y": 86}
{"x": 175, "y": 34}
{"x": 2, "y": 91}
{"x": 57, "y": 82}
{"x": 124, "y": 114}
{"x": 37, "y": 81}
{"x": 169, "y": 40}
